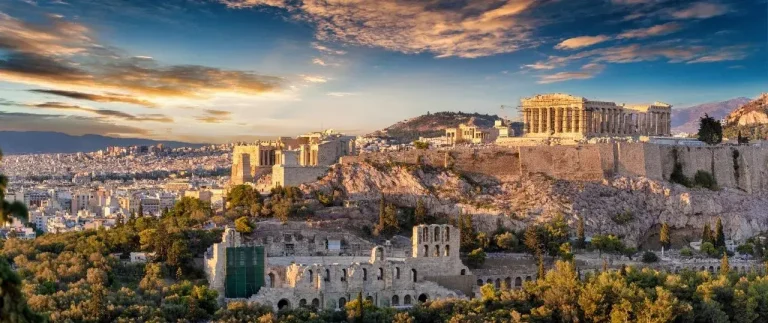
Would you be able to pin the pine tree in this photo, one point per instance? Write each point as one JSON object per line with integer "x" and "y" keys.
{"x": 421, "y": 212}
{"x": 724, "y": 266}
{"x": 664, "y": 235}
{"x": 719, "y": 235}
{"x": 706, "y": 234}
{"x": 582, "y": 240}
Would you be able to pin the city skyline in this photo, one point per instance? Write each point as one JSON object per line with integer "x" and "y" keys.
{"x": 217, "y": 71}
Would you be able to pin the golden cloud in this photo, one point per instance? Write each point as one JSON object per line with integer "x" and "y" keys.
{"x": 581, "y": 42}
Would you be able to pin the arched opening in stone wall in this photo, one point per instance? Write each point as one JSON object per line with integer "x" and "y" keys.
{"x": 508, "y": 282}
{"x": 315, "y": 303}
{"x": 497, "y": 284}
{"x": 283, "y": 304}
{"x": 327, "y": 275}
{"x": 463, "y": 272}
{"x": 310, "y": 277}
{"x": 425, "y": 234}
{"x": 518, "y": 282}
{"x": 527, "y": 278}
{"x": 437, "y": 234}
{"x": 437, "y": 251}
{"x": 395, "y": 300}
{"x": 342, "y": 302}
{"x": 381, "y": 274}
{"x": 343, "y": 275}
{"x": 711, "y": 269}
{"x": 423, "y": 298}
{"x": 479, "y": 282}
{"x": 447, "y": 233}
{"x": 379, "y": 253}
{"x": 303, "y": 303}
{"x": 413, "y": 275}
{"x": 370, "y": 298}
{"x": 407, "y": 300}
{"x": 489, "y": 281}
{"x": 365, "y": 274}
{"x": 426, "y": 251}
{"x": 447, "y": 250}
{"x": 397, "y": 272}
{"x": 271, "y": 278}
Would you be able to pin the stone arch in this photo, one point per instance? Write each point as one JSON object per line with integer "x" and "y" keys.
{"x": 302, "y": 303}
{"x": 423, "y": 298}
{"x": 342, "y": 302}
{"x": 379, "y": 253}
{"x": 497, "y": 283}
{"x": 365, "y": 274}
{"x": 527, "y": 278}
{"x": 407, "y": 300}
{"x": 271, "y": 278}
{"x": 327, "y": 275}
{"x": 437, "y": 250}
{"x": 343, "y": 275}
{"x": 463, "y": 272}
{"x": 413, "y": 275}
{"x": 703, "y": 268}
{"x": 479, "y": 282}
{"x": 508, "y": 282}
{"x": 437, "y": 234}
{"x": 381, "y": 274}
{"x": 447, "y": 250}
{"x": 425, "y": 234}
{"x": 711, "y": 269}
{"x": 315, "y": 303}
{"x": 310, "y": 276}
{"x": 518, "y": 282}
{"x": 447, "y": 234}
{"x": 284, "y": 304}
{"x": 395, "y": 300}
{"x": 426, "y": 251}
{"x": 489, "y": 281}
{"x": 397, "y": 272}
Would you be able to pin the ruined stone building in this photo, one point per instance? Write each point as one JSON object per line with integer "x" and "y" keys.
{"x": 567, "y": 116}
{"x": 433, "y": 270}
{"x": 291, "y": 161}
{"x": 471, "y": 133}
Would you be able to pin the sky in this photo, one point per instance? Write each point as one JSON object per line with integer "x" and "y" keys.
{"x": 218, "y": 71}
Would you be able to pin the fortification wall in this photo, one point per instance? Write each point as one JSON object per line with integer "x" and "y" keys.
{"x": 747, "y": 170}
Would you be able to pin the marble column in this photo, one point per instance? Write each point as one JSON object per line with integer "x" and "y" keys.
{"x": 582, "y": 120}
{"x": 558, "y": 120}
{"x": 541, "y": 120}
{"x": 574, "y": 120}
{"x": 525, "y": 120}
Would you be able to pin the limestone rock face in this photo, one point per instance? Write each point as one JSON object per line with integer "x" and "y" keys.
{"x": 751, "y": 113}
{"x": 516, "y": 202}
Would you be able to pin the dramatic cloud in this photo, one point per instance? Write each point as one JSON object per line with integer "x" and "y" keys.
{"x": 700, "y": 10}
{"x": 580, "y": 42}
{"x": 72, "y": 125}
{"x": 464, "y": 29}
{"x": 657, "y": 30}
{"x": 587, "y": 72}
{"x": 104, "y": 113}
{"x": 62, "y": 54}
{"x": 96, "y": 97}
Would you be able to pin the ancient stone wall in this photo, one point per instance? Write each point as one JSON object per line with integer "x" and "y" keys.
{"x": 296, "y": 175}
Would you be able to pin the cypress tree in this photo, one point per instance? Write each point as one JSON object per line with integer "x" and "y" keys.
{"x": 664, "y": 235}
{"x": 719, "y": 235}
{"x": 706, "y": 234}
{"x": 724, "y": 266}
{"x": 541, "y": 271}
{"x": 580, "y": 233}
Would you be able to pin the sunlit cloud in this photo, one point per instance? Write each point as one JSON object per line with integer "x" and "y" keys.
{"x": 318, "y": 61}
{"x": 539, "y": 66}
{"x": 700, "y": 10}
{"x": 581, "y": 42}
{"x": 342, "y": 94}
{"x": 72, "y": 125}
{"x": 113, "y": 114}
{"x": 587, "y": 71}
{"x": 471, "y": 29}
{"x": 657, "y": 30}
{"x": 314, "y": 78}
{"x": 96, "y": 97}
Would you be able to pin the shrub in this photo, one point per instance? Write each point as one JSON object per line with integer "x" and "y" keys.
{"x": 708, "y": 248}
{"x": 704, "y": 179}
{"x": 686, "y": 252}
{"x": 476, "y": 258}
{"x": 421, "y": 144}
{"x": 649, "y": 257}
{"x": 746, "y": 249}
{"x": 624, "y": 217}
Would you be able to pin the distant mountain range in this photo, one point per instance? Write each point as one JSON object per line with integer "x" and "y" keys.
{"x": 434, "y": 124}
{"x": 43, "y": 142}
{"x": 687, "y": 119}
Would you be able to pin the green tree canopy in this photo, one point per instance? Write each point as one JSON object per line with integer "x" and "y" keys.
{"x": 710, "y": 130}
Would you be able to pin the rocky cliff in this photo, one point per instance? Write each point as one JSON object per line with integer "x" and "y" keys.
{"x": 751, "y": 119}
{"x": 516, "y": 201}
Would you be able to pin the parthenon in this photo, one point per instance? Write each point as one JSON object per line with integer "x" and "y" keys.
{"x": 567, "y": 116}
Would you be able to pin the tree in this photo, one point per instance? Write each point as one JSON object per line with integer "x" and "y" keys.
{"x": 708, "y": 248}
{"x": 14, "y": 304}
{"x": 141, "y": 209}
{"x": 710, "y": 130}
{"x": 467, "y": 231}
{"x": 403, "y": 317}
{"x": 724, "y": 266}
{"x": 650, "y": 257}
{"x": 243, "y": 225}
{"x": 243, "y": 196}
{"x": 719, "y": 235}
{"x": 420, "y": 213}
{"x": 706, "y": 234}
{"x": 742, "y": 140}
{"x": 540, "y": 267}
{"x": 178, "y": 254}
{"x": 607, "y": 243}
{"x": 388, "y": 224}
{"x": 664, "y": 237}
{"x": 14, "y": 209}
{"x": 582, "y": 240}
{"x": 506, "y": 241}
{"x": 476, "y": 258}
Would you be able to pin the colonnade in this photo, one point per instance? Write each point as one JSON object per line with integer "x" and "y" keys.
{"x": 595, "y": 121}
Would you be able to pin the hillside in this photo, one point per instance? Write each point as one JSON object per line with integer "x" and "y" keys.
{"x": 42, "y": 142}
{"x": 687, "y": 119}
{"x": 751, "y": 119}
{"x": 434, "y": 125}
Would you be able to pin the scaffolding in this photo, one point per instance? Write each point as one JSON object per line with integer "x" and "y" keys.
{"x": 245, "y": 271}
